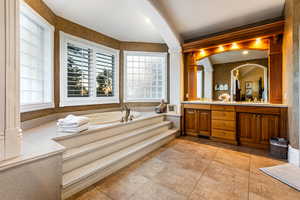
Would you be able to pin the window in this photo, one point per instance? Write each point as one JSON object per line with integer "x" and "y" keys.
{"x": 36, "y": 61}
{"x": 89, "y": 72}
{"x": 145, "y": 76}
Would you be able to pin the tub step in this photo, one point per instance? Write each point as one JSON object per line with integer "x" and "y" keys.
{"x": 95, "y": 134}
{"x": 71, "y": 153}
{"x": 87, "y": 175}
{"x": 77, "y": 157}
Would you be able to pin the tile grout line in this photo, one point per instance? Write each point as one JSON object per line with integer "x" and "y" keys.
{"x": 188, "y": 197}
{"x": 250, "y": 161}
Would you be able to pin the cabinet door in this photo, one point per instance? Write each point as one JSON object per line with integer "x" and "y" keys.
{"x": 204, "y": 122}
{"x": 269, "y": 128}
{"x": 248, "y": 127}
{"x": 190, "y": 116}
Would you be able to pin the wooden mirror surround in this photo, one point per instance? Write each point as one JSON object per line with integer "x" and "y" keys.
{"x": 264, "y": 37}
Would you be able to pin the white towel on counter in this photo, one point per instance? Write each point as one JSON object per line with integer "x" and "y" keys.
{"x": 74, "y": 129}
{"x": 72, "y": 121}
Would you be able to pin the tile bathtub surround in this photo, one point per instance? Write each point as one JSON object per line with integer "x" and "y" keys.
{"x": 192, "y": 169}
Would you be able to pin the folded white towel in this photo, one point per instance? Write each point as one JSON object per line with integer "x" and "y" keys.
{"x": 73, "y": 121}
{"x": 74, "y": 129}
{"x": 70, "y": 126}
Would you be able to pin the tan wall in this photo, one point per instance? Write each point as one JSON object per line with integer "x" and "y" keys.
{"x": 253, "y": 77}
{"x": 291, "y": 68}
{"x": 69, "y": 27}
{"x": 222, "y": 74}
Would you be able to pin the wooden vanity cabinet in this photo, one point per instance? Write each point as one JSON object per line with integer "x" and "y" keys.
{"x": 255, "y": 129}
{"x": 224, "y": 124}
{"x": 245, "y": 125}
{"x": 197, "y": 121}
{"x": 191, "y": 120}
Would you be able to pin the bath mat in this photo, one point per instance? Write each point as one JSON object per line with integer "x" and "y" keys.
{"x": 287, "y": 173}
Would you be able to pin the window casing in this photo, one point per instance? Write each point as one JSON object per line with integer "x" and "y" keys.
{"x": 89, "y": 72}
{"x": 145, "y": 76}
{"x": 36, "y": 61}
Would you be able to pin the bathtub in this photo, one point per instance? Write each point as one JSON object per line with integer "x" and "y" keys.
{"x": 108, "y": 117}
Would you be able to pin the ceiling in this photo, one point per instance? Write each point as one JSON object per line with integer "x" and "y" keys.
{"x": 195, "y": 18}
{"x": 129, "y": 20}
{"x": 236, "y": 56}
{"x": 121, "y": 19}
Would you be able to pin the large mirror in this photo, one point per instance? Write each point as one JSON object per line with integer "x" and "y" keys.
{"x": 240, "y": 75}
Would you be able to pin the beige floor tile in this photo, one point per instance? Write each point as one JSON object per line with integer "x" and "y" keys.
{"x": 151, "y": 167}
{"x": 187, "y": 161}
{"x": 154, "y": 191}
{"x": 264, "y": 187}
{"x": 233, "y": 159}
{"x": 178, "y": 179}
{"x": 222, "y": 182}
{"x": 92, "y": 193}
{"x": 195, "y": 169}
{"x": 263, "y": 161}
{"x": 211, "y": 189}
{"x": 121, "y": 187}
{"x": 199, "y": 150}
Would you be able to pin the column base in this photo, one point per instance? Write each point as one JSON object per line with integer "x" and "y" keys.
{"x": 12, "y": 141}
{"x": 294, "y": 156}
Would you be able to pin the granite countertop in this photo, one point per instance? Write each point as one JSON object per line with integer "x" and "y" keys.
{"x": 234, "y": 103}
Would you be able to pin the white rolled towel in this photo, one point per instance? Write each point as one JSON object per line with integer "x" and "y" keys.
{"x": 73, "y": 129}
{"x": 72, "y": 121}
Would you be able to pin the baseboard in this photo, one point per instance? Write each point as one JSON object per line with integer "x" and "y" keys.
{"x": 294, "y": 156}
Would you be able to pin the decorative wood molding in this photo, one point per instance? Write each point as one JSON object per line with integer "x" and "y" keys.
{"x": 275, "y": 70}
{"x": 262, "y": 31}
{"x": 253, "y": 44}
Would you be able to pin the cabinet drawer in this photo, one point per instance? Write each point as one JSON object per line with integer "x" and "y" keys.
{"x": 223, "y": 125}
{"x": 223, "y": 115}
{"x": 197, "y": 106}
{"x": 223, "y": 108}
{"x": 229, "y": 135}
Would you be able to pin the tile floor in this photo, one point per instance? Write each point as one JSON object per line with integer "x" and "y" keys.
{"x": 194, "y": 169}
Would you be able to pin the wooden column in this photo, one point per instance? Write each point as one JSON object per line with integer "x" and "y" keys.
{"x": 275, "y": 69}
{"x": 190, "y": 77}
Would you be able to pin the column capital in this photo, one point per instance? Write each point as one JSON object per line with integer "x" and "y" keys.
{"x": 175, "y": 50}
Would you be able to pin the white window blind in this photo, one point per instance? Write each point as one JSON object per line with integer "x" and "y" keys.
{"x": 89, "y": 72}
{"x": 104, "y": 74}
{"x": 36, "y": 42}
{"x": 145, "y": 76}
{"x": 78, "y": 66}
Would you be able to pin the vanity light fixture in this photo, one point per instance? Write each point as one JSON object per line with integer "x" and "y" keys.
{"x": 202, "y": 52}
{"x": 234, "y": 46}
{"x": 221, "y": 48}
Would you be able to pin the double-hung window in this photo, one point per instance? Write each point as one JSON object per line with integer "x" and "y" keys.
{"x": 89, "y": 72}
{"x": 145, "y": 76}
{"x": 36, "y": 61}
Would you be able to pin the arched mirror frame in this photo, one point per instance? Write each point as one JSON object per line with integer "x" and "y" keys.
{"x": 250, "y": 64}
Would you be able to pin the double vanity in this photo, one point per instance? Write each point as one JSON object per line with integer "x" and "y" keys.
{"x": 233, "y": 89}
{"x": 239, "y": 123}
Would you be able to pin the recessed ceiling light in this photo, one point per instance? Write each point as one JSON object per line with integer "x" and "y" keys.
{"x": 221, "y": 48}
{"x": 234, "y": 46}
{"x": 148, "y": 20}
{"x": 245, "y": 52}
